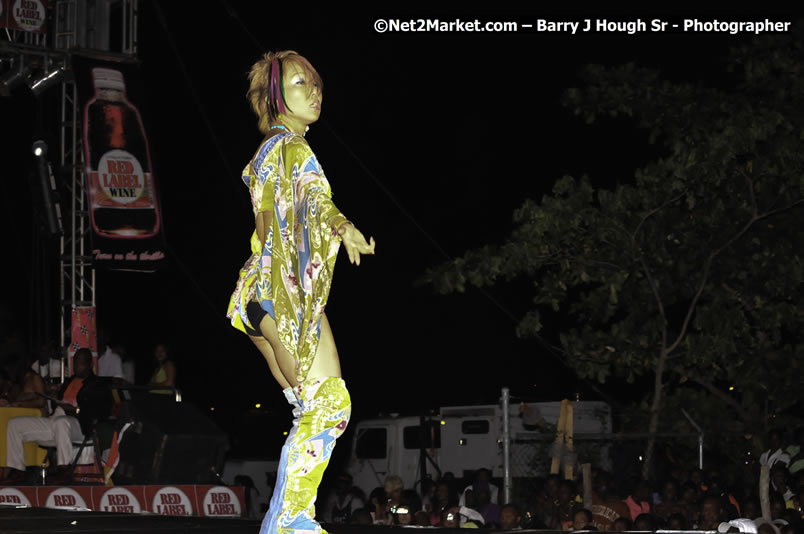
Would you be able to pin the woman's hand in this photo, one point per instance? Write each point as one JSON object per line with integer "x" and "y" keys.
{"x": 354, "y": 242}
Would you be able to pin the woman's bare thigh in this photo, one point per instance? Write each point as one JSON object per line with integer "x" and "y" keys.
{"x": 281, "y": 361}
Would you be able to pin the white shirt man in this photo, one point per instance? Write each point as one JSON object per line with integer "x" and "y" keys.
{"x": 110, "y": 364}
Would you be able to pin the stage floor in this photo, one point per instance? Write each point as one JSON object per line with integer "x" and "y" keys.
{"x": 47, "y": 520}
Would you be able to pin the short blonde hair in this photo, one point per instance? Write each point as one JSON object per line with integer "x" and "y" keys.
{"x": 393, "y": 482}
{"x": 266, "y": 89}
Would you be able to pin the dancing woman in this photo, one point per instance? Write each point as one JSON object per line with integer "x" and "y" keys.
{"x": 282, "y": 290}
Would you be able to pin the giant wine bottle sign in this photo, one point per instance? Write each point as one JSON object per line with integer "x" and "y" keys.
{"x": 123, "y": 205}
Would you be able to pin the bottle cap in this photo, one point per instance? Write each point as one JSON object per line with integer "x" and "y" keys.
{"x": 108, "y": 79}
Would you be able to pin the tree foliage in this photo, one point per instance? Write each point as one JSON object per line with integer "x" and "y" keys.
{"x": 689, "y": 274}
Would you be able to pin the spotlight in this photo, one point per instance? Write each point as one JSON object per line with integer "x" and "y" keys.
{"x": 12, "y": 80}
{"x": 43, "y": 83}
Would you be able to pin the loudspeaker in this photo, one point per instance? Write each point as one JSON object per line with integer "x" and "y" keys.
{"x": 169, "y": 442}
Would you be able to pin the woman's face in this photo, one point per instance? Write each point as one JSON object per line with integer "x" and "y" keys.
{"x": 303, "y": 95}
{"x": 160, "y": 353}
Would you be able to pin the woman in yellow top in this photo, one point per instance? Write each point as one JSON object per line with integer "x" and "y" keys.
{"x": 165, "y": 372}
{"x": 282, "y": 290}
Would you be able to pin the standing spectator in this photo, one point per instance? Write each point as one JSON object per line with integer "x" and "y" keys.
{"x": 797, "y": 452}
{"x": 129, "y": 364}
{"x": 639, "y": 502}
{"x": 606, "y": 505}
{"x": 775, "y": 452}
{"x": 109, "y": 362}
{"x": 165, "y": 372}
{"x": 48, "y": 364}
{"x": 481, "y": 475}
{"x": 483, "y": 504}
{"x": 250, "y": 491}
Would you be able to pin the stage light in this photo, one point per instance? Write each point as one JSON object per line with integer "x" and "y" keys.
{"x": 731, "y": 388}
{"x": 40, "y": 148}
{"x": 13, "y": 79}
{"x": 257, "y": 405}
{"x": 43, "y": 83}
{"x": 211, "y": 408}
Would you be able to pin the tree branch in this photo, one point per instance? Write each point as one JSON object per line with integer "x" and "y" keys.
{"x": 756, "y": 217}
{"x": 710, "y": 388}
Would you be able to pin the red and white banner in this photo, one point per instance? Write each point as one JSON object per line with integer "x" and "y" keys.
{"x": 25, "y": 15}
{"x": 210, "y": 501}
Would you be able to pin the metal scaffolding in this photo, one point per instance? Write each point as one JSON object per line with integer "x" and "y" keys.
{"x": 103, "y": 27}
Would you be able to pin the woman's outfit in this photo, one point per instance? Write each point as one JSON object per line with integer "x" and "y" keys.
{"x": 289, "y": 277}
{"x": 160, "y": 375}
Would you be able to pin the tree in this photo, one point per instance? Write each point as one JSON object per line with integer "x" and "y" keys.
{"x": 690, "y": 274}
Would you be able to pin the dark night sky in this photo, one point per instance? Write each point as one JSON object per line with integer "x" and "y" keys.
{"x": 456, "y": 128}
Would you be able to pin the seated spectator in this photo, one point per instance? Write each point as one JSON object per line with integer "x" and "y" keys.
{"x": 404, "y": 513}
{"x": 689, "y": 499}
{"x": 677, "y": 521}
{"x": 565, "y": 506}
{"x": 765, "y": 527}
{"x": 545, "y": 500}
{"x": 645, "y": 522}
{"x": 510, "y": 517}
{"x": 712, "y": 513}
{"x": 361, "y": 517}
{"x": 83, "y": 398}
{"x": 165, "y": 372}
{"x": 341, "y": 501}
{"x": 428, "y": 494}
{"x": 460, "y": 517}
{"x": 670, "y": 503}
{"x": 445, "y": 497}
{"x": 582, "y": 520}
{"x": 377, "y": 506}
{"x": 26, "y": 388}
{"x": 622, "y": 524}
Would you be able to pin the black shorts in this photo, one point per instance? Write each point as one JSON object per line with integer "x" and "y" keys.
{"x": 255, "y": 314}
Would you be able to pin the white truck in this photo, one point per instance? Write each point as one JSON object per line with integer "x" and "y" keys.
{"x": 461, "y": 439}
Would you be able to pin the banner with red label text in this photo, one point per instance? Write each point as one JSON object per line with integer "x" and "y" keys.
{"x": 25, "y": 15}
{"x": 204, "y": 500}
{"x": 124, "y": 208}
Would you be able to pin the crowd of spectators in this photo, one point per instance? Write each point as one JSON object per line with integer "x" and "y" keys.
{"x": 692, "y": 499}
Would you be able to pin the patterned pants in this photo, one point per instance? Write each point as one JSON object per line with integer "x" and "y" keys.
{"x": 321, "y": 410}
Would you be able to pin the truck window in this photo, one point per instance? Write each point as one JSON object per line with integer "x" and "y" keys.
{"x": 476, "y": 426}
{"x": 371, "y": 444}
{"x": 410, "y": 436}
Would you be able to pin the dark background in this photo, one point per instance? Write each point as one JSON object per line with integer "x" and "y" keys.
{"x": 429, "y": 140}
